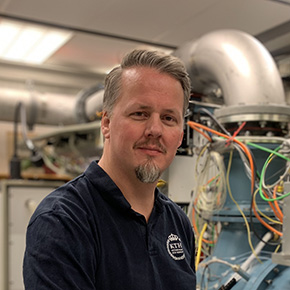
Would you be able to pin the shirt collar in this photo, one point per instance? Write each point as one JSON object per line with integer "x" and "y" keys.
{"x": 110, "y": 191}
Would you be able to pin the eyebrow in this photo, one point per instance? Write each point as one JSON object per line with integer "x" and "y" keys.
{"x": 150, "y": 107}
{"x": 143, "y": 106}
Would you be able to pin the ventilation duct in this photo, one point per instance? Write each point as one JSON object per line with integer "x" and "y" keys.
{"x": 241, "y": 68}
{"x": 227, "y": 61}
{"x": 52, "y": 109}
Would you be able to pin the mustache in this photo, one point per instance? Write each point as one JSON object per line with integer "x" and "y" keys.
{"x": 155, "y": 144}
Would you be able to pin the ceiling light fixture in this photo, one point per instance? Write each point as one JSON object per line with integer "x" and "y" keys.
{"x": 29, "y": 43}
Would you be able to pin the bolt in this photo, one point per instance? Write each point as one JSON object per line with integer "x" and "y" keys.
{"x": 269, "y": 282}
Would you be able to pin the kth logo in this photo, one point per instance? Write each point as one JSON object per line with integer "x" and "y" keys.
{"x": 174, "y": 247}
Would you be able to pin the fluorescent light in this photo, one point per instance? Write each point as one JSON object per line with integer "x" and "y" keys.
{"x": 24, "y": 42}
{"x": 29, "y": 43}
{"x": 49, "y": 44}
{"x": 8, "y": 32}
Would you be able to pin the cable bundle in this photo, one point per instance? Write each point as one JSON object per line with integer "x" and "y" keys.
{"x": 210, "y": 193}
{"x": 212, "y": 184}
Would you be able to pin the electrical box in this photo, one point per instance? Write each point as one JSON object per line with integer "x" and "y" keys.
{"x": 181, "y": 179}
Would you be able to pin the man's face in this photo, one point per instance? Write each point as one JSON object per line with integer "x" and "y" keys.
{"x": 146, "y": 126}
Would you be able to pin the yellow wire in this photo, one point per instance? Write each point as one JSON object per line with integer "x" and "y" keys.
{"x": 199, "y": 156}
{"x": 197, "y": 259}
{"x": 240, "y": 210}
{"x": 277, "y": 249}
{"x": 261, "y": 213}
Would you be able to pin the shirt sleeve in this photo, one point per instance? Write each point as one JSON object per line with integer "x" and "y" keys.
{"x": 60, "y": 254}
{"x": 190, "y": 241}
{"x": 192, "y": 250}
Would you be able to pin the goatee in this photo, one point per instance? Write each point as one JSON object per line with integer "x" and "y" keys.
{"x": 148, "y": 172}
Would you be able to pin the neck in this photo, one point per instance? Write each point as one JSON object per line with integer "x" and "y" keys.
{"x": 140, "y": 195}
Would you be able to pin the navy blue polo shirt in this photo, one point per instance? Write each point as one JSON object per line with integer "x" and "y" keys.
{"x": 85, "y": 235}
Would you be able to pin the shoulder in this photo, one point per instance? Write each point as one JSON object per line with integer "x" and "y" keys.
{"x": 173, "y": 210}
{"x": 58, "y": 198}
{"x": 169, "y": 204}
{"x": 80, "y": 200}
{"x": 76, "y": 200}
{"x": 66, "y": 216}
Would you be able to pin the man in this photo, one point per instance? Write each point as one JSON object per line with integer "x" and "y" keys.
{"x": 110, "y": 228}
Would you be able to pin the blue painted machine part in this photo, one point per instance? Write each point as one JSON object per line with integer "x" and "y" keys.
{"x": 233, "y": 239}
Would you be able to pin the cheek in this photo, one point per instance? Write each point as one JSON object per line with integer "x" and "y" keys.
{"x": 175, "y": 139}
{"x": 125, "y": 133}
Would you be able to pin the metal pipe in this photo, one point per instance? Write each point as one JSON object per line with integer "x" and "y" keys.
{"x": 235, "y": 62}
{"x": 47, "y": 108}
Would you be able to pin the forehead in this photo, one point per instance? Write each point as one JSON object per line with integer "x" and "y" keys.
{"x": 149, "y": 79}
{"x": 137, "y": 72}
{"x": 148, "y": 88}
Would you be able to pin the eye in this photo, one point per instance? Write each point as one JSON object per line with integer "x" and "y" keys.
{"x": 169, "y": 119}
{"x": 139, "y": 115}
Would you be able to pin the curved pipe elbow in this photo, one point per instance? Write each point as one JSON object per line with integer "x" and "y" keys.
{"x": 235, "y": 62}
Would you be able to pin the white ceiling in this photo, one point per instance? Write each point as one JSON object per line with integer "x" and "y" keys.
{"x": 104, "y": 30}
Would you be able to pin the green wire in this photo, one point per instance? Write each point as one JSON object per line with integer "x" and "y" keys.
{"x": 212, "y": 232}
{"x": 264, "y": 169}
{"x": 269, "y": 150}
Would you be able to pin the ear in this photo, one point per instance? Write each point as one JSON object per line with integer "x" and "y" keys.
{"x": 105, "y": 125}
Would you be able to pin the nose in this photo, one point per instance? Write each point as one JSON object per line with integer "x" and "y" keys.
{"x": 154, "y": 127}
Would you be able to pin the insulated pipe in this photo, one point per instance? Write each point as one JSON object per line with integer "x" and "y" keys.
{"x": 94, "y": 104}
{"x": 235, "y": 62}
{"x": 83, "y": 104}
{"x": 47, "y": 108}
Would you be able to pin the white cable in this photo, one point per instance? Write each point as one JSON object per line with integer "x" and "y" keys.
{"x": 286, "y": 172}
{"x": 245, "y": 266}
{"x": 211, "y": 186}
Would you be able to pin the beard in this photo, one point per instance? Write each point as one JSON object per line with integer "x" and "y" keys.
{"x": 148, "y": 172}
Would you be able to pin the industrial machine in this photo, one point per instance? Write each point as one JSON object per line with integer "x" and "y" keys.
{"x": 241, "y": 190}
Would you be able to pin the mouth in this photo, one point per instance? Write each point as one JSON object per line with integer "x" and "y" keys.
{"x": 151, "y": 150}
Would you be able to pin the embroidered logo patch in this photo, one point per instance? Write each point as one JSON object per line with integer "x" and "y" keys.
{"x": 174, "y": 247}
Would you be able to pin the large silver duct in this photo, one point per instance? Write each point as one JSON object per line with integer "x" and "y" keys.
{"x": 227, "y": 61}
{"x": 51, "y": 108}
{"x": 241, "y": 68}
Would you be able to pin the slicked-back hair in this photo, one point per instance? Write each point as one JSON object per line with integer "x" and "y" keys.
{"x": 162, "y": 62}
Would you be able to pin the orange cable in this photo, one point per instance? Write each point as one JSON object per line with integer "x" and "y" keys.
{"x": 204, "y": 135}
{"x": 264, "y": 223}
{"x": 273, "y": 207}
{"x": 193, "y": 125}
{"x": 196, "y": 230}
{"x": 277, "y": 205}
{"x": 275, "y": 210}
